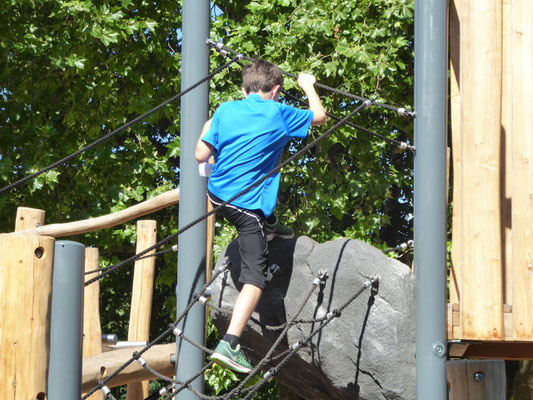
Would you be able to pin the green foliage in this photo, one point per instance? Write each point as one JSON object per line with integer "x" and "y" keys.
{"x": 72, "y": 71}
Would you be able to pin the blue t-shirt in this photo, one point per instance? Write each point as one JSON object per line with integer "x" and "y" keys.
{"x": 249, "y": 136}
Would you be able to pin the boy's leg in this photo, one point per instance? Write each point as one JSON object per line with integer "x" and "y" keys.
{"x": 254, "y": 263}
{"x": 243, "y": 308}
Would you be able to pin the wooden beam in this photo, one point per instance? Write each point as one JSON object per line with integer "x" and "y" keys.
{"x": 26, "y": 264}
{"x": 522, "y": 172}
{"x": 98, "y": 367}
{"x": 106, "y": 221}
{"x": 481, "y": 270}
{"x": 476, "y": 380}
{"x": 141, "y": 298}
{"x": 493, "y": 350}
{"x": 92, "y": 329}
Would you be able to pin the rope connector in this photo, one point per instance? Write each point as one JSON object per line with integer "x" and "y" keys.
{"x": 335, "y": 313}
{"x": 177, "y": 332}
{"x": 224, "y": 265}
{"x": 141, "y": 361}
{"x": 240, "y": 57}
{"x": 175, "y": 248}
{"x": 406, "y": 113}
{"x": 367, "y": 103}
{"x": 105, "y": 390}
{"x": 202, "y": 300}
{"x": 297, "y": 345}
{"x": 269, "y": 374}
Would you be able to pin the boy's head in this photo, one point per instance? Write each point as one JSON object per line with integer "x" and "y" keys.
{"x": 261, "y": 76}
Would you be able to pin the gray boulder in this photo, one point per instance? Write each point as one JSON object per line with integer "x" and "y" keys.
{"x": 366, "y": 353}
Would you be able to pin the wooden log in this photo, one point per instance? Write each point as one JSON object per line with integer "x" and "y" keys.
{"x": 92, "y": 329}
{"x": 28, "y": 218}
{"x": 476, "y": 380}
{"x": 98, "y": 367}
{"x": 481, "y": 269}
{"x": 26, "y": 263}
{"x": 455, "y": 120}
{"x": 141, "y": 298}
{"x": 522, "y": 171}
{"x": 106, "y": 221}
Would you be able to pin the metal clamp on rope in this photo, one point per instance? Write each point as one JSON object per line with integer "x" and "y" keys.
{"x": 175, "y": 248}
{"x": 406, "y": 113}
{"x": 224, "y": 265}
{"x": 105, "y": 390}
{"x": 177, "y": 332}
{"x": 270, "y": 374}
{"x": 202, "y": 300}
{"x": 141, "y": 361}
{"x": 210, "y": 42}
{"x": 297, "y": 345}
{"x": 367, "y": 103}
{"x": 334, "y": 313}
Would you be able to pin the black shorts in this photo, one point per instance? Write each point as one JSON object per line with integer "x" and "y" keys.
{"x": 253, "y": 243}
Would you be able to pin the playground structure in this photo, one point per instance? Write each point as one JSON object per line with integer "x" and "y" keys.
{"x": 489, "y": 313}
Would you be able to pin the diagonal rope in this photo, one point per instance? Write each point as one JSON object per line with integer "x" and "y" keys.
{"x": 118, "y": 130}
{"x": 220, "y": 48}
{"x": 400, "y": 144}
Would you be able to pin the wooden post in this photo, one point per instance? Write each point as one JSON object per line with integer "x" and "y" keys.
{"x": 92, "y": 329}
{"x": 522, "y": 174}
{"x": 26, "y": 264}
{"x": 141, "y": 298}
{"x": 480, "y": 77}
{"x": 28, "y": 218}
{"x": 476, "y": 380}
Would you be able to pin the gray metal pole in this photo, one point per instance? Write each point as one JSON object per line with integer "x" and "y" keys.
{"x": 192, "y": 243}
{"x": 64, "y": 374}
{"x": 431, "y": 51}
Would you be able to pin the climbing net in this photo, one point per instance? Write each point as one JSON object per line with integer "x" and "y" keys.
{"x": 274, "y": 362}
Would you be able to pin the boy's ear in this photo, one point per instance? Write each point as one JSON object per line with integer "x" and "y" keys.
{"x": 244, "y": 92}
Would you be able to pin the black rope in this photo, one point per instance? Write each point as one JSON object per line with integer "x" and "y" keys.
{"x": 120, "y": 129}
{"x": 219, "y": 47}
{"x": 399, "y": 143}
{"x": 159, "y": 253}
{"x": 280, "y": 166}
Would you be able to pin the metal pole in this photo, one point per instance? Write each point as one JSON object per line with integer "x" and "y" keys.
{"x": 431, "y": 50}
{"x": 192, "y": 243}
{"x": 64, "y": 375}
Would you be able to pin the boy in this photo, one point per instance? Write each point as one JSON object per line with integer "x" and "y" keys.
{"x": 247, "y": 138}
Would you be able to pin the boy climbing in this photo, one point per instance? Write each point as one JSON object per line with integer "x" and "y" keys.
{"x": 247, "y": 138}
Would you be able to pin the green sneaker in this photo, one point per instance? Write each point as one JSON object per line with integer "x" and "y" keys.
{"x": 232, "y": 359}
{"x": 278, "y": 230}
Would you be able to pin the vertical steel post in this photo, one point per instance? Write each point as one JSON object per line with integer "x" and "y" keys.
{"x": 431, "y": 66}
{"x": 192, "y": 243}
{"x": 64, "y": 374}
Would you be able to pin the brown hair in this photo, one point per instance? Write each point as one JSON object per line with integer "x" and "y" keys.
{"x": 261, "y": 75}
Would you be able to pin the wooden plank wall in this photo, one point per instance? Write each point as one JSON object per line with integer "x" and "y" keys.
{"x": 491, "y": 112}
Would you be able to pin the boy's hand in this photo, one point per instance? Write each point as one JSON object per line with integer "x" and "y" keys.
{"x": 306, "y": 80}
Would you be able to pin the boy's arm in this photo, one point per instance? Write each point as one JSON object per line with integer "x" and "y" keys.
{"x": 307, "y": 83}
{"x": 203, "y": 149}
